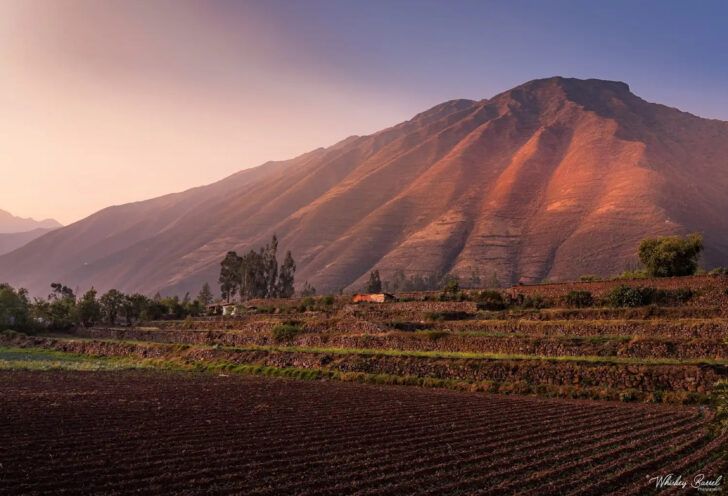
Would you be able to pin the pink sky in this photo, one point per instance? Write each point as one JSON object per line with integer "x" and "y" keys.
{"x": 109, "y": 102}
{"x": 104, "y": 102}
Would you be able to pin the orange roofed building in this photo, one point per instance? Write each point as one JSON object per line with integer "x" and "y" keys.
{"x": 374, "y": 298}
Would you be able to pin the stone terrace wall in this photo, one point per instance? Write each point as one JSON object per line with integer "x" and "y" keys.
{"x": 443, "y": 342}
{"x": 641, "y": 377}
{"x": 715, "y": 285}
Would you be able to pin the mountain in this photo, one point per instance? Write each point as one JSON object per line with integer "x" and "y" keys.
{"x": 11, "y": 224}
{"x": 13, "y": 241}
{"x": 554, "y": 178}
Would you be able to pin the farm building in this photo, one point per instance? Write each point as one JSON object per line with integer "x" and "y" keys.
{"x": 227, "y": 309}
{"x": 374, "y": 298}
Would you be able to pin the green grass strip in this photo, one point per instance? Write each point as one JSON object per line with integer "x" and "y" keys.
{"x": 43, "y": 359}
{"x": 479, "y": 356}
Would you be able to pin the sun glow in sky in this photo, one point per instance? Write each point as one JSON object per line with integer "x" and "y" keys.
{"x": 109, "y": 102}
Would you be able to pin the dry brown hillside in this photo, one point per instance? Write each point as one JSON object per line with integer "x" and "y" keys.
{"x": 555, "y": 178}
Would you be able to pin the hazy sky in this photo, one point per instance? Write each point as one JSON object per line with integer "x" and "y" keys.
{"x": 106, "y": 102}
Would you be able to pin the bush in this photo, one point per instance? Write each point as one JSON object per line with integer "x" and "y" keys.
{"x": 673, "y": 297}
{"x": 433, "y": 316}
{"x": 435, "y": 335}
{"x": 457, "y": 296}
{"x": 285, "y": 332}
{"x": 626, "y": 296}
{"x": 633, "y": 274}
{"x": 628, "y": 395}
{"x": 536, "y": 301}
{"x": 452, "y": 286}
{"x": 401, "y": 326}
{"x": 306, "y": 303}
{"x": 671, "y": 256}
{"x": 578, "y": 299}
{"x": 452, "y": 315}
{"x": 589, "y": 278}
{"x": 491, "y": 300}
{"x": 656, "y": 396}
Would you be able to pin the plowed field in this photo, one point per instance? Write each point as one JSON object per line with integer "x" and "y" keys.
{"x": 156, "y": 432}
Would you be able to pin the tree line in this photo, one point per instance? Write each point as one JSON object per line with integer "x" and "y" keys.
{"x": 63, "y": 310}
{"x": 257, "y": 275}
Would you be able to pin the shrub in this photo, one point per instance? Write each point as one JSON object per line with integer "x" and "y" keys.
{"x": 536, "y": 301}
{"x": 673, "y": 297}
{"x": 457, "y": 296}
{"x": 656, "y": 396}
{"x": 435, "y": 335}
{"x": 719, "y": 271}
{"x": 306, "y": 303}
{"x": 451, "y": 315}
{"x": 491, "y": 300}
{"x": 433, "y": 315}
{"x": 589, "y": 278}
{"x": 628, "y": 395}
{"x": 285, "y": 332}
{"x": 401, "y": 326}
{"x": 452, "y": 286}
{"x": 578, "y": 299}
{"x": 671, "y": 256}
{"x": 627, "y": 296}
{"x": 455, "y": 315}
{"x": 327, "y": 300}
{"x": 633, "y": 274}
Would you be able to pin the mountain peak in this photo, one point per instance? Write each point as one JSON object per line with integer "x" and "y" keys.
{"x": 576, "y": 83}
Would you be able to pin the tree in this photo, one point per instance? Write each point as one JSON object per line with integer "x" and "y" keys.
{"x": 452, "y": 286}
{"x": 60, "y": 291}
{"x": 398, "y": 282}
{"x": 286, "y": 277}
{"x": 14, "y": 308}
{"x": 111, "y": 303}
{"x": 172, "y": 307}
{"x": 253, "y": 277}
{"x": 375, "y": 283}
{"x": 205, "y": 296}
{"x": 230, "y": 275}
{"x": 62, "y": 314}
{"x": 256, "y": 274}
{"x": 89, "y": 309}
{"x": 671, "y": 256}
{"x": 154, "y": 310}
{"x": 270, "y": 267}
{"x": 307, "y": 290}
{"x": 133, "y": 307}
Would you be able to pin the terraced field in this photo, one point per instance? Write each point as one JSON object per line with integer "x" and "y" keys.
{"x": 170, "y": 432}
{"x": 518, "y": 401}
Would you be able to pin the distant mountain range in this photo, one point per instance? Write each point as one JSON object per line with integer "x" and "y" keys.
{"x": 16, "y": 231}
{"x": 554, "y": 178}
{"x": 12, "y": 224}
